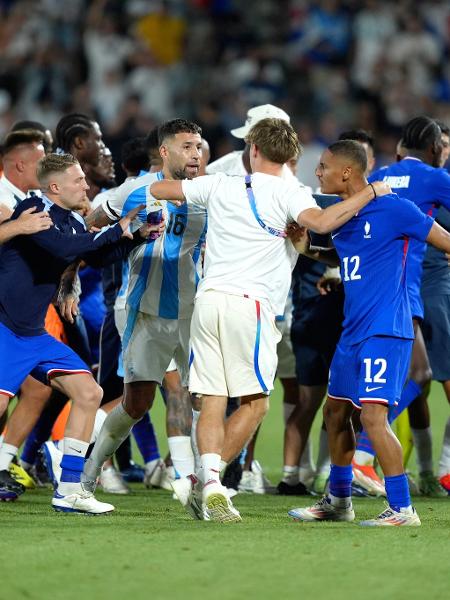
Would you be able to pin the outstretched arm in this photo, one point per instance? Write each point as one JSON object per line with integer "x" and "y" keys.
{"x": 333, "y": 217}
{"x": 169, "y": 190}
{"x": 439, "y": 237}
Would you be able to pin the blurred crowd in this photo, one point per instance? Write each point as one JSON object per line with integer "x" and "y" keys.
{"x": 330, "y": 64}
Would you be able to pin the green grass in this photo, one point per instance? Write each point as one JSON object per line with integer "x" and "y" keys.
{"x": 150, "y": 549}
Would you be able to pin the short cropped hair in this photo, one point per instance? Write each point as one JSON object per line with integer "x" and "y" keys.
{"x": 171, "y": 128}
{"x": 420, "y": 133}
{"x": 54, "y": 163}
{"x": 358, "y": 135}
{"x": 351, "y": 150}
{"x": 445, "y": 129}
{"x": 276, "y": 140}
{"x": 135, "y": 155}
{"x": 23, "y": 137}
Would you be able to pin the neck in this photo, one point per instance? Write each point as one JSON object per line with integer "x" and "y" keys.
{"x": 17, "y": 181}
{"x": 353, "y": 187}
{"x": 261, "y": 165}
{"x": 246, "y": 161}
{"x": 55, "y": 199}
{"x": 165, "y": 171}
{"x": 420, "y": 154}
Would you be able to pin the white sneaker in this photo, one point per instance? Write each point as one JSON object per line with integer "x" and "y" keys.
{"x": 112, "y": 482}
{"x": 168, "y": 477}
{"x": 187, "y": 492}
{"x": 323, "y": 510}
{"x": 53, "y": 457}
{"x": 392, "y": 518}
{"x": 84, "y": 503}
{"x": 255, "y": 482}
{"x": 217, "y": 505}
{"x": 154, "y": 473}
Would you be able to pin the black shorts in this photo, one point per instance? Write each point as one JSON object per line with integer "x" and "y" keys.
{"x": 436, "y": 333}
{"x": 315, "y": 334}
{"x": 110, "y": 348}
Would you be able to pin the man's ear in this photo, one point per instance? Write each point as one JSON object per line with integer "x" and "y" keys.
{"x": 53, "y": 187}
{"x": 79, "y": 142}
{"x": 163, "y": 151}
{"x": 346, "y": 173}
{"x": 20, "y": 166}
{"x": 254, "y": 150}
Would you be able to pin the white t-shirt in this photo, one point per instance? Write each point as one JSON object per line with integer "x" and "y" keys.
{"x": 241, "y": 256}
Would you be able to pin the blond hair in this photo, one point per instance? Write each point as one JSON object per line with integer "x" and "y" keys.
{"x": 276, "y": 140}
{"x": 54, "y": 163}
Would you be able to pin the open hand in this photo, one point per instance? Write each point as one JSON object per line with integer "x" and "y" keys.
{"x": 128, "y": 219}
{"x": 32, "y": 222}
{"x": 299, "y": 237}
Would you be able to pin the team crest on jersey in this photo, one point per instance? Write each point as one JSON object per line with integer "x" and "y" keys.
{"x": 367, "y": 235}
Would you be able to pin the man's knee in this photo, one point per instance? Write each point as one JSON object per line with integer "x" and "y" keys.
{"x": 138, "y": 398}
{"x": 336, "y": 413}
{"x": 373, "y": 417}
{"x": 90, "y": 395}
{"x": 422, "y": 375}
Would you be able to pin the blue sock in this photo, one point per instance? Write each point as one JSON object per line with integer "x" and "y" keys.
{"x": 72, "y": 467}
{"x": 397, "y": 491}
{"x": 145, "y": 436}
{"x": 409, "y": 393}
{"x": 341, "y": 481}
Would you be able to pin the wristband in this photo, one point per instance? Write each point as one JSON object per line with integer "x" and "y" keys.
{"x": 374, "y": 192}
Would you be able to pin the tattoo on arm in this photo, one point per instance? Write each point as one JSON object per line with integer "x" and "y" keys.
{"x": 97, "y": 218}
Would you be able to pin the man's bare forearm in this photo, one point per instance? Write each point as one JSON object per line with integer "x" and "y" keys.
{"x": 328, "y": 256}
{"x": 97, "y": 218}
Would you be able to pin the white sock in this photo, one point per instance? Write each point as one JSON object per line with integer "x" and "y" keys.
{"x": 288, "y": 409}
{"x": 340, "y": 502}
{"x": 100, "y": 417}
{"x": 223, "y": 465}
{"x": 7, "y": 453}
{"x": 362, "y": 457}
{"x": 115, "y": 430}
{"x": 323, "y": 458}
{"x": 444, "y": 461}
{"x": 195, "y": 418}
{"x": 290, "y": 475}
{"x": 210, "y": 468}
{"x": 181, "y": 454}
{"x": 151, "y": 465}
{"x": 78, "y": 449}
{"x": 423, "y": 444}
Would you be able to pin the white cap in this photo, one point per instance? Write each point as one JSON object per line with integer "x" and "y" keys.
{"x": 257, "y": 113}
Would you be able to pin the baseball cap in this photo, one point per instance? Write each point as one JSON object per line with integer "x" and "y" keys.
{"x": 257, "y": 113}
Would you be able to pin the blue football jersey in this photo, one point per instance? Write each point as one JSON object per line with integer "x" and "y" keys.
{"x": 429, "y": 188}
{"x": 373, "y": 250}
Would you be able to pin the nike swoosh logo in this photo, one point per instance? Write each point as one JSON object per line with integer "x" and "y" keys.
{"x": 335, "y": 235}
{"x": 368, "y": 389}
{"x": 75, "y": 450}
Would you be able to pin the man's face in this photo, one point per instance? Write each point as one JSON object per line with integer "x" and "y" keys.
{"x": 93, "y": 146}
{"x": 72, "y": 187}
{"x": 445, "y": 148}
{"x": 32, "y": 154}
{"x": 181, "y": 154}
{"x": 331, "y": 173}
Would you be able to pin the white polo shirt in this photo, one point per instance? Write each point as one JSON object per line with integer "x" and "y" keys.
{"x": 241, "y": 256}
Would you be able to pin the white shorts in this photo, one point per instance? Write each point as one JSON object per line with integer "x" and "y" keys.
{"x": 233, "y": 346}
{"x": 286, "y": 358}
{"x": 153, "y": 345}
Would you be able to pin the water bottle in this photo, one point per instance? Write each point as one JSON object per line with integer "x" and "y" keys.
{"x": 154, "y": 217}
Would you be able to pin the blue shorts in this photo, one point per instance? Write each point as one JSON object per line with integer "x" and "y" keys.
{"x": 436, "y": 333}
{"x": 41, "y": 356}
{"x": 373, "y": 371}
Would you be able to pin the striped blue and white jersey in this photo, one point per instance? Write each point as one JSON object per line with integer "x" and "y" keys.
{"x": 162, "y": 274}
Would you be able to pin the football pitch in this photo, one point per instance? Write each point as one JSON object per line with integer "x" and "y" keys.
{"x": 149, "y": 548}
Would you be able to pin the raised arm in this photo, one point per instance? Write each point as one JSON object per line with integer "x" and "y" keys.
{"x": 333, "y": 217}
{"x": 27, "y": 223}
{"x": 169, "y": 190}
{"x": 98, "y": 218}
{"x": 439, "y": 237}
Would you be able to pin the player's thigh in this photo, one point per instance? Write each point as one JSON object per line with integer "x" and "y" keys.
{"x": 249, "y": 339}
{"x": 344, "y": 374}
{"x": 206, "y": 364}
{"x": 285, "y": 353}
{"x": 383, "y": 363}
{"x": 149, "y": 344}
